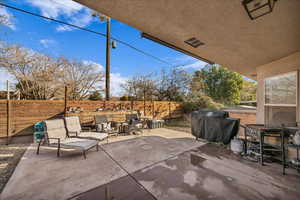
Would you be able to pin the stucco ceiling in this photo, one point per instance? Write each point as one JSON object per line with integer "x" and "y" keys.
{"x": 230, "y": 37}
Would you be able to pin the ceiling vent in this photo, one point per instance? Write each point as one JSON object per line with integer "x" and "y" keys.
{"x": 194, "y": 42}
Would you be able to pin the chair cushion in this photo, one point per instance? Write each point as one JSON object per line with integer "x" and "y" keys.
{"x": 93, "y": 135}
{"x": 73, "y": 124}
{"x": 56, "y": 129}
{"x": 78, "y": 143}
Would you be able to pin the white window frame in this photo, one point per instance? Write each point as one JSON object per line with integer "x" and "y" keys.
{"x": 297, "y": 105}
{"x": 297, "y": 90}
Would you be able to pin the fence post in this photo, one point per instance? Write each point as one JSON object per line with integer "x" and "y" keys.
{"x": 144, "y": 103}
{"x": 169, "y": 109}
{"x": 131, "y": 102}
{"x": 153, "y": 111}
{"x": 8, "y": 114}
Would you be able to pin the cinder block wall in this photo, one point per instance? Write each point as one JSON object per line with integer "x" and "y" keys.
{"x": 247, "y": 117}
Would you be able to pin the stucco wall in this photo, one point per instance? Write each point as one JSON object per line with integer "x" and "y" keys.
{"x": 283, "y": 65}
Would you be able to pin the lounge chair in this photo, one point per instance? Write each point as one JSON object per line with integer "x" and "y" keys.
{"x": 56, "y": 136}
{"x": 74, "y": 130}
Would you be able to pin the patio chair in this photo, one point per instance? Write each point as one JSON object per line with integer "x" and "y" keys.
{"x": 133, "y": 123}
{"x": 102, "y": 123}
{"x": 74, "y": 130}
{"x": 56, "y": 136}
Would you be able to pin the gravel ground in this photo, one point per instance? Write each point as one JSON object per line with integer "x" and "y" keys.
{"x": 9, "y": 158}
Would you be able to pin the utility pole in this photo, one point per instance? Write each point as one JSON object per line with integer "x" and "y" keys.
{"x": 107, "y": 71}
{"x": 109, "y": 44}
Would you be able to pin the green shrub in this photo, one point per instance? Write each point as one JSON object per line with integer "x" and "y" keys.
{"x": 200, "y": 102}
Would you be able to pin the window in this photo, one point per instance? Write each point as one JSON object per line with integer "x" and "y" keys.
{"x": 281, "y": 99}
{"x": 281, "y": 90}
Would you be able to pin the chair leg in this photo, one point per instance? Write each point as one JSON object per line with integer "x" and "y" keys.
{"x": 84, "y": 154}
{"x": 97, "y": 147}
{"x": 58, "y": 151}
{"x": 283, "y": 153}
{"x": 38, "y": 148}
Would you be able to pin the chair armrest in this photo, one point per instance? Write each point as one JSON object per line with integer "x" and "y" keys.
{"x": 58, "y": 140}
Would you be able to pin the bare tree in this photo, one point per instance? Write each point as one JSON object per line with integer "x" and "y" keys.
{"x": 141, "y": 87}
{"x": 40, "y": 76}
{"x": 170, "y": 85}
{"x": 81, "y": 78}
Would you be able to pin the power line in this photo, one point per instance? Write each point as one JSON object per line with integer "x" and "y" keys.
{"x": 87, "y": 30}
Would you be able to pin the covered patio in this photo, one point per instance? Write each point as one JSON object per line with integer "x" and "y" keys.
{"x": 160, "y": 164}
{"x": 169, "y": 164}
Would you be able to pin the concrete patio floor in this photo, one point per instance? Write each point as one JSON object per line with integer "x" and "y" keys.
{"x": 161, "y": 164}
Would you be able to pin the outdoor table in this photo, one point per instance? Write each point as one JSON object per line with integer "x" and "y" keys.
{"x": 261, "y": 131}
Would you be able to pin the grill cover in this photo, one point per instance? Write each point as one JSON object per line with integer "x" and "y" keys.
{"x": 214, "y": 126}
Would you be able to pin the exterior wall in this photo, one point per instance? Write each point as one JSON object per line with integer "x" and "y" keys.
{"x": 287, "y": 64}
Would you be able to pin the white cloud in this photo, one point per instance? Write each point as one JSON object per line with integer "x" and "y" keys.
{"x": 62, "y": 28}
{"x": 72, "y": 11}
{"x": 185, "y": 58}
{"x": 116, "y": 79}
{"x": 7, "y": 18}
{"x": 97, "y": 66}
{"x": 54, "y": 8}
{"x": 81, "y": 19}
{"x": 4, "y": 76}
{"x": 47, "y": 42}
{"x": 195, "y": 66}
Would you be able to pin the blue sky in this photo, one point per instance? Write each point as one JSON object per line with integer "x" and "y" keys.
{"x": 57, "y": 40}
